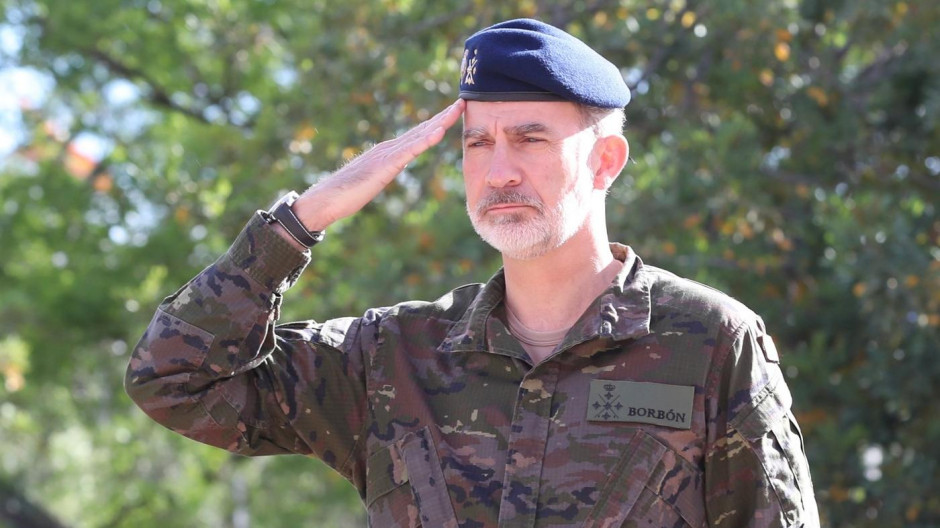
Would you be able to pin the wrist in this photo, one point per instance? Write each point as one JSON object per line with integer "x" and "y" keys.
{"x": 310, "y": 214}
{"x": 284, "y": 218}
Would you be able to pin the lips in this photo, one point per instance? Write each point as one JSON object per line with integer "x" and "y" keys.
{"x": 507, "y": 201}
{"x": 506, "y": 207}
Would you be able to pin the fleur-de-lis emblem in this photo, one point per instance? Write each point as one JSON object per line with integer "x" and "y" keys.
{"x": 468, "y": 67}
{"x": 463, "y": 65}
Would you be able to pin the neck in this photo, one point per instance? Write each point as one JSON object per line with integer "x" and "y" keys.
{"x": 551, "y": 292}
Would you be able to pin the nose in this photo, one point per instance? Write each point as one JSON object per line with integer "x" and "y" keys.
{"x": 503, "y": 171}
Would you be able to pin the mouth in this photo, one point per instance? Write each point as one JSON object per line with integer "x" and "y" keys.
{"x": 510, "y": 202}
{"x": 506, "y": 207}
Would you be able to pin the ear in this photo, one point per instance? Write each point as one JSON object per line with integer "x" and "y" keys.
{"x": 609, "y": 157}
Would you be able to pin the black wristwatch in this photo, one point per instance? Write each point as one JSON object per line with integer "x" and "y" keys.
{"x": 282, "y": 213}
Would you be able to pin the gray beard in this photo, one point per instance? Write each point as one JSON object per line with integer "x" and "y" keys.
{"x": 518, "y": 235}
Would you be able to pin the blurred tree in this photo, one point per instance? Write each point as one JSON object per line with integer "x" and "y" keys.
{"x": 786, "y": 152}
{"x": 16, "y": 510}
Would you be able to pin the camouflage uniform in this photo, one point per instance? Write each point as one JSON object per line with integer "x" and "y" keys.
{"x": 436, "y": 415}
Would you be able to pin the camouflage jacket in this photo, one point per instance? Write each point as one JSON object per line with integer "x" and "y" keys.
{"x": 663, "y": 406}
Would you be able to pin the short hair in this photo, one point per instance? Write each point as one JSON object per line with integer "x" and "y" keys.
{"x": 603, "y": 121}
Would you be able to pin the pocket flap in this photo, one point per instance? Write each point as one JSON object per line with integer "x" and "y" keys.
{"x": 627, "y": 480}
{"x": 412, "y": 460}
{"x": 385, "y": 471}
{"x": 427, "y": 479}
{"x": 770, "y": 406}
{"x": 648, "y": 464}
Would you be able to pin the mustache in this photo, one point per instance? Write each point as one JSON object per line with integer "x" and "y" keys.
{"x": 502, "y": 197}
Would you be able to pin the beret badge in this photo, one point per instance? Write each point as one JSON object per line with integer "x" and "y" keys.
{"x": 468, "y": 67}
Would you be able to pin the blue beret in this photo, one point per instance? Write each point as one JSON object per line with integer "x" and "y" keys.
{"x": 528, "y": 60}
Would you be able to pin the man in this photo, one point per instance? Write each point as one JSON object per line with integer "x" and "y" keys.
{"x": 578, "y": 387}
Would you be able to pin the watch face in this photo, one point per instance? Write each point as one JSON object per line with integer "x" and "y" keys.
{"x": 288, "y": 198}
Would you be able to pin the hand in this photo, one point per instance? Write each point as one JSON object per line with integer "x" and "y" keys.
{"x": 353, "y": 186}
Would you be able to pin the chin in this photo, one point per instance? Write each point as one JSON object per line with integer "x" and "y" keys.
{"x": 524, "y": 254}
{"x": 512, "y": 247}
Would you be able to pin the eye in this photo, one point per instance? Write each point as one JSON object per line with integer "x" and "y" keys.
{"x": 530, "y": 139}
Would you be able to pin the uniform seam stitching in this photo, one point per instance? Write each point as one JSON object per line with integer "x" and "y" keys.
{"x": 710, "y": 383}
{"x": 367, "y": 359}
{"x": 342, "y": 467}
{"x": 714, "y": 369}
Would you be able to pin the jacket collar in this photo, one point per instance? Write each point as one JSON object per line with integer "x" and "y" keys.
{"x": 620, "y": 312}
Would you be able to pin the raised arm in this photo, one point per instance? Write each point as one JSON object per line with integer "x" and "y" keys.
{"x": 212, "y": 365}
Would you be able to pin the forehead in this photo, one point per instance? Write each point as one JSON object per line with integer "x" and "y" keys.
{"x": 491, "y": 116}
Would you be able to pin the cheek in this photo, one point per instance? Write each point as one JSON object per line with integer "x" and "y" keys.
{"x": 473, "y": 176}
{"x": 470, "y": 188}
{"x": 473, "y": 161}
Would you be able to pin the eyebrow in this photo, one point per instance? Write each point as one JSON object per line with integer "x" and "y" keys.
{"x": 474, "y": 133}
{"x": 517, "y": 130}
{"x": 526, "y": 128}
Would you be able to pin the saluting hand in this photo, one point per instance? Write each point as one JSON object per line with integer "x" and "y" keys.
{"x": 350, "y": 188}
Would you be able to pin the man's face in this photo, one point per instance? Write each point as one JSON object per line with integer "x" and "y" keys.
{"x": 527, "y": 175}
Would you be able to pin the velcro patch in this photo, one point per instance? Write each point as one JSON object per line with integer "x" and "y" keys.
{"x": 642, "y": 402}
{"x": 767, "y": 345}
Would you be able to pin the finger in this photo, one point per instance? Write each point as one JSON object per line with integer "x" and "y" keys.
{"x": 395, "y": 154}
{"x": 445, "y": 118}
{"x": 413, "y": 143}
{"x": 450, "y": 115}
{"x": 436, "y": 125}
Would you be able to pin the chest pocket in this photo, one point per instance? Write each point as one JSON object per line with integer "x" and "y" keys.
{"x": 651, "y": 485}
{"x": 405, "y": 485}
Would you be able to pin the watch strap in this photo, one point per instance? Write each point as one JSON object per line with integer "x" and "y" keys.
{"x": 283, "y": 214}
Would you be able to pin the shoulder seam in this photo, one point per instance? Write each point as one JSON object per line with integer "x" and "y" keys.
{"x": 714, "y": 371}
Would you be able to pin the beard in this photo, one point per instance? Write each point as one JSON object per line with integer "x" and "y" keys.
{"x": 528, "y": 234}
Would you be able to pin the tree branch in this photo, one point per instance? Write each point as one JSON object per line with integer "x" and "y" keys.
{"x": 664, "y": 52}
{"x": 158, "y": 95}
{"x": 19, "y": 512}
{"x": 438, "y": 21}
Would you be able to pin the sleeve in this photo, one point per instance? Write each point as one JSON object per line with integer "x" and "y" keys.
{"x": 213, "y": 367}
{"x": 756, "y": 472}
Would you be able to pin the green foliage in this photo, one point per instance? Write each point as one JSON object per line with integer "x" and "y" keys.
{"x": 785, "y": 152}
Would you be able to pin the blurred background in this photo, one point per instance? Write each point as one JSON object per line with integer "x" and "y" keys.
{"x": 784, "y": 151}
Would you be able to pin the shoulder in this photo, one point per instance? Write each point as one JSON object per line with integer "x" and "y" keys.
{"x": 402, "y": 318}
{"x": 674, "y": 297}
{"x": 424, "y": 321}
{"x": 449, "y": 307}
